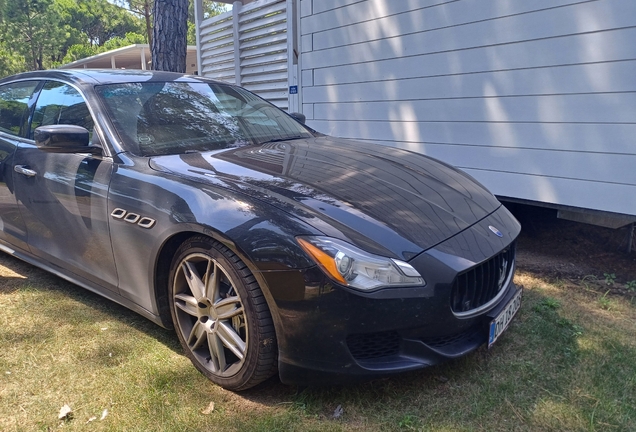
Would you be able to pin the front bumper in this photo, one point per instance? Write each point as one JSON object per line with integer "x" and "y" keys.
{"x": 331, "y": 335}
{"x": 383, "y": 353}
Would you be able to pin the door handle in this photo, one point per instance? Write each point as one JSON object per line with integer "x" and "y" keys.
{"x": 21, "y": 169}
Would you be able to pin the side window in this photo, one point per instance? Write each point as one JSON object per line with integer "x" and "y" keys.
{"x": 14, "y": 99}
{"x": 60, "y": 103}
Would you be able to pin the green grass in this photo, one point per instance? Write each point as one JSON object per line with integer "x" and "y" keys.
{"x": 566, "y": 363}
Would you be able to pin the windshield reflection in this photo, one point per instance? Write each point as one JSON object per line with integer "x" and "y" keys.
{"x": 176, "y": 117}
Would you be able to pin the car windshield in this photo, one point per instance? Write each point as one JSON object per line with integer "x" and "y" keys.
{"x": 178, "y": 117}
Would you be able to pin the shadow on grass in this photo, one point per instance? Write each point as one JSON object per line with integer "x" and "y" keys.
{"x": 34, "y": 279}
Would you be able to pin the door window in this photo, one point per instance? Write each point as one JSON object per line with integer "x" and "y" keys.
{"x": 60, "y": 103}
{"x": 14, "y": 102}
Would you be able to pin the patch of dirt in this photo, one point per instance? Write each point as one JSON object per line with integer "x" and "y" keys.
{"x": 577, "y": 252}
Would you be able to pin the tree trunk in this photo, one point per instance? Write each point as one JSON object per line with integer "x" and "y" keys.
{"x": 169, "y": 35}
{"x": 30, "y": 38}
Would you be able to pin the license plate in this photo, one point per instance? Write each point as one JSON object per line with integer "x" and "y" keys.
{"x": 501, "y": 321}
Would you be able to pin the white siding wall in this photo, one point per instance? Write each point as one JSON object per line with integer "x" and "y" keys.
{"x": 536, "y": 99}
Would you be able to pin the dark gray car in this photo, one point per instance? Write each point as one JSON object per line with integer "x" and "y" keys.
{"x": 269, "y": 247}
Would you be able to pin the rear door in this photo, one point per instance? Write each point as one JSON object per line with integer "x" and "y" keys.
{"x": 14, "y": 103}
{"x": 63, "y": 197}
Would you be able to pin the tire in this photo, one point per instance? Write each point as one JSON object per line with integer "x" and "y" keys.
{"x": 221, "y": 316}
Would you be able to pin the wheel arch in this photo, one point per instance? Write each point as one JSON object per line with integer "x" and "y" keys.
{"x": 162, "y": 272}
{"x": 164, "y": 261}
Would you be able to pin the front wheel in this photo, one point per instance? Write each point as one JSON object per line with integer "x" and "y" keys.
{"x": 221, "y": 316}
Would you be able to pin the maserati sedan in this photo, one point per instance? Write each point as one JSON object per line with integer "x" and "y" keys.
{"x": 270, "y": 248}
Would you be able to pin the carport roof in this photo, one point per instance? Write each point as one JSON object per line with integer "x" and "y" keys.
{"x": 131, "y": 57}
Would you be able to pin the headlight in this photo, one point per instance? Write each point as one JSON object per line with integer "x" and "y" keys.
{"x": 355, "y": 268}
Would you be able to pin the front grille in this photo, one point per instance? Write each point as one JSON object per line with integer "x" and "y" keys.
{"x": 373, "y": 345}
{"x": 479, "y": 285}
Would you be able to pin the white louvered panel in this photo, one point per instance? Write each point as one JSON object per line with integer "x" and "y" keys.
{"x": 266, "y": 21}
{"x": 260, "y": 32}
{"x": 264, "y": 78}
{"x": 267, "y": 86}
{"x": 227, "y": 59}
{"x": 264, "y": 69}
{"x": 217, "y": 48}
{"x": 211, "y": 43}
{"x": 217, "y": 68}
{"x": 260, "y": 9}
{"x": 216, "y": 20}
{"x": 211, "y": 50}
{"x": 226, "y": 79}
{"x": 274, "y": 38}
{"x": 263, "y": 39}
{"x": 271, "y": 94}
{"x": 218, "y": 33}
{"x": 229, "y": 79}
{"x": 223, "y": 74}
{"x": 264, "y": 51}
{"x": 261, "y": 53}
{"x": 270, "y": 58}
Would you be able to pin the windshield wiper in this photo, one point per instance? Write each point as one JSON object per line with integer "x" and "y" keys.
{"x": 273, "y": 140}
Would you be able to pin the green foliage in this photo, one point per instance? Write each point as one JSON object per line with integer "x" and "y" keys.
{"x": 77, "y": 52}
{"x": 409, "y": 422}
{"x": 610, "y": 278}
{"x": 119, "y": 42}
{"x": 10, "y": 61}
{"x": 143, "y": 10}
{"x": 631, "y": 285}
{"x": 39, "y": 34}
{"x": 605, "y": 302}
{"x": 192, "y": 33}
{"x": 34, "y": 30}
{"x": 100, "y": 20}
{"x": 548, "y": 303}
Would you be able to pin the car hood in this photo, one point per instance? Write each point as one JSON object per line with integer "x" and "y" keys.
{"x": 386, "y": 200}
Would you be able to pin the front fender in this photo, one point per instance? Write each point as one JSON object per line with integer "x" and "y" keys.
{"x": 151, "y": 215}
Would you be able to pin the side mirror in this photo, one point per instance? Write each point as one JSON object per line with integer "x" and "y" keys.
{"x": 64, "y": 139}
{"x": 300, "y": 118}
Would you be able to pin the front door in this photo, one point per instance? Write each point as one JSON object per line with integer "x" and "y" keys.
{"x": 63, "y": 197}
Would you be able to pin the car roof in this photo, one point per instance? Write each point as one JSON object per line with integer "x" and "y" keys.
{"x": 106, "y": 76}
